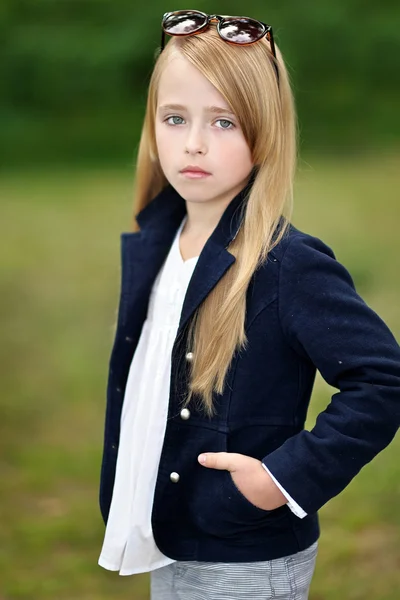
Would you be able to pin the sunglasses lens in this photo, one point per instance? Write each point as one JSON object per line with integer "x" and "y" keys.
{"x": 241, "y": 30}
{"x": 185, "y": 22}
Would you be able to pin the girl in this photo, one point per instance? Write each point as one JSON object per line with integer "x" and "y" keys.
{"x": 209, "y": 479}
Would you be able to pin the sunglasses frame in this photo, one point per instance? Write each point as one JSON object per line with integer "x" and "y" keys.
{"x": 220, "y": 19}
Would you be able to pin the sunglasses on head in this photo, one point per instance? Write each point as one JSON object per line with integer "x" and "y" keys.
{"x": 241, "y": 31}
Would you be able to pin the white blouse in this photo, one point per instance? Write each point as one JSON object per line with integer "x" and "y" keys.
{"x": 129, "y": 546}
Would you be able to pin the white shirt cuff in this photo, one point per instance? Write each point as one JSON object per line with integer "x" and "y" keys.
{"x": 294, "y": 507}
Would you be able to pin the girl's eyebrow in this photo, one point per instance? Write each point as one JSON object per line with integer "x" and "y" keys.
{"x": 208, "y": 109}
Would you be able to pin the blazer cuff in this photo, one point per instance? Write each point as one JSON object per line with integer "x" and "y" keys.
{"x": 294, "y": 507}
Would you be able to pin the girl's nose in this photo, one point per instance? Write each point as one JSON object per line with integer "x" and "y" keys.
{"x": 195, "y": 142}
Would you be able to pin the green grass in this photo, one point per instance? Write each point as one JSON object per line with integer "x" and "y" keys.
{"x": 59, "y": 291}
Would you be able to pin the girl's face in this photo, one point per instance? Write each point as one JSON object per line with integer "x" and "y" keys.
{"x": 194, "y": 134}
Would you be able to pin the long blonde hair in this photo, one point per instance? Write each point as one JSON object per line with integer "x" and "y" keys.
{"x": 246, "y": 78}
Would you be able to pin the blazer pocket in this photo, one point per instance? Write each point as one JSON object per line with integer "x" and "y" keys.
{"x": 237, "y": 502}
{"x": 218, "y": 508}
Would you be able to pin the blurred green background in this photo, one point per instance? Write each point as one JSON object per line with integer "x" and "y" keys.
{"x": 74, "y": 76}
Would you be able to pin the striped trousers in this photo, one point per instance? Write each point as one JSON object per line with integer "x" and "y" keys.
{"x": 286, "y": 578}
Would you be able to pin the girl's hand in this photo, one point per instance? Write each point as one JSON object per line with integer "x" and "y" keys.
{"x": 249, "y": 476}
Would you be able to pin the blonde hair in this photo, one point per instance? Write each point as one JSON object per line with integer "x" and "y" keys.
{"x": 246, "y": 78}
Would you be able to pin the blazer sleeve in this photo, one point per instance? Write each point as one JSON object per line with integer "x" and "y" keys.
{"x": 326, "y": 321}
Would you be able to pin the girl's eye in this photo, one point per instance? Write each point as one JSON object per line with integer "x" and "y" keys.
{"x": 226, "y": 121}
{"x": 230, "y": 124}
{"x": 173, "y": 117}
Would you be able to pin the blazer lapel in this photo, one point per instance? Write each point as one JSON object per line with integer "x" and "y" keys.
{"x": 144, "y": 252}
{"x": 213, "y": 262}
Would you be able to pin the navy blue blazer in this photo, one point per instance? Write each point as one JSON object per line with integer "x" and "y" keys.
{"x": 303, "y": 313}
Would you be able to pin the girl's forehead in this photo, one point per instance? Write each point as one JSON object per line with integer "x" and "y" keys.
{"x": 177, "y": 65}
{"x": 181, "y": 78}
{"x": 188, "y": 98}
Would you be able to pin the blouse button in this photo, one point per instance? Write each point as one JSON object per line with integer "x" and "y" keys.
{"x": 174, "y": 477}
{"x": 189, "y": 356}
{"x": 185, "y": 414}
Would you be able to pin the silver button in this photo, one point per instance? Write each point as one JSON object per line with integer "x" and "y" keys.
{"x": 185, "y": 413}
{"x": 189, "y": 356}
{"x": 174, "y": 477}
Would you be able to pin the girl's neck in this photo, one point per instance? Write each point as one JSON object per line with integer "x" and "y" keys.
{"x": 202, "y": 218}
{"x": 193, "y": 236}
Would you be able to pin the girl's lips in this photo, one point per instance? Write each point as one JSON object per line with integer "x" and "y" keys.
{"x": 195, "y": 174}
